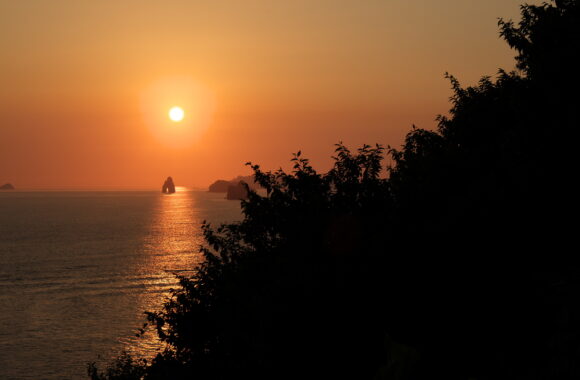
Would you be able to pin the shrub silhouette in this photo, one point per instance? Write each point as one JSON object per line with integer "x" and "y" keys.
{"x": 454, "y": 266}
{"x": 276, "y": 289}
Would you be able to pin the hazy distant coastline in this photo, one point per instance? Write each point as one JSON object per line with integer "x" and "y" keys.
{"x": 235, "y": 188}
{"x": 221, "y": 185}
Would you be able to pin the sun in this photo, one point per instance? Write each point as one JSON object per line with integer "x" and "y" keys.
{"x": 176, "y": 114}
{"x": 177, "y": 110}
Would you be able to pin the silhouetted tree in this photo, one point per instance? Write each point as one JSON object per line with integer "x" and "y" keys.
{"x": 276, "y": 291}
{"x": 453, "y": 267}
{"x": 483, "y": 208}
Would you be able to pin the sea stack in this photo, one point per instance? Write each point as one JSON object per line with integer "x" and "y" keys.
{"x": 168, "y": 186}
{"x": 7, "y": 186}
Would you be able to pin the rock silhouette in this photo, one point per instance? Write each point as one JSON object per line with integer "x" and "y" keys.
{"x": 219, "y": 186}
{"x": 168, "y": 186}
{"x": 7, "y": 186}
{"x": 222, "y": 186}
{"x": 238, "y": 191}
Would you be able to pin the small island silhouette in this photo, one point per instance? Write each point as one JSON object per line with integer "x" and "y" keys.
{"x": 235, "y": 189}
{"x": 168, "y": 186}
{"x": 7, "y": 186}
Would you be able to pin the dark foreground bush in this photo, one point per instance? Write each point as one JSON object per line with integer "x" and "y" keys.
{"x": 455, "y": 266}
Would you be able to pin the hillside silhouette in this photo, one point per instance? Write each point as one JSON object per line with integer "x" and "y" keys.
{"x": 458, "y": 265}
{"x": 221, "y": 186}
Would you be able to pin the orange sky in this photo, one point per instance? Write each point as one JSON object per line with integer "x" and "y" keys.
{"x": 85, "y": 86}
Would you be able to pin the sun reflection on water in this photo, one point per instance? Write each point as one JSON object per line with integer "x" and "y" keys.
{"x": 171, "y": 247}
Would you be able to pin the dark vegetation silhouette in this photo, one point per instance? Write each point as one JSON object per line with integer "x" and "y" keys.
{"x": 458, "y": 265}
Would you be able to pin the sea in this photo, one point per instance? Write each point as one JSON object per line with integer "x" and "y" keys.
{"x": 78, "y": 269}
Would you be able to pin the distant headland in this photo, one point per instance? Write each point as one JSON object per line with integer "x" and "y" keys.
{"x": 7, "y": 186}
{"x": 235, "y": 189}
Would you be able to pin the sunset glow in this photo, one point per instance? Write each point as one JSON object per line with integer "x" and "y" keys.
{"x": 176, "y": 114}
{"x": 375, "y": 189}
{"x": 251, "y": 87}
{"x": 163, "y": 105}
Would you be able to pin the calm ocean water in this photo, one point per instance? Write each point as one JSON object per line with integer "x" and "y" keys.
{"x": 78, "y": 269}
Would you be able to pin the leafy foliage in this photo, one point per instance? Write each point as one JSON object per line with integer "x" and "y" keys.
{"x": 265, "y": 297}
{"x": 124, "y": 368}
{"x": 454, "y": 265}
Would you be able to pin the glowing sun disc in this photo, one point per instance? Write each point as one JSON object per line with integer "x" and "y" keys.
{"x": 176, "y": 114}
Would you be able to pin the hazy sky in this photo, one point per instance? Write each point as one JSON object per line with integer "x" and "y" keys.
{"x": 85, "y": 86}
